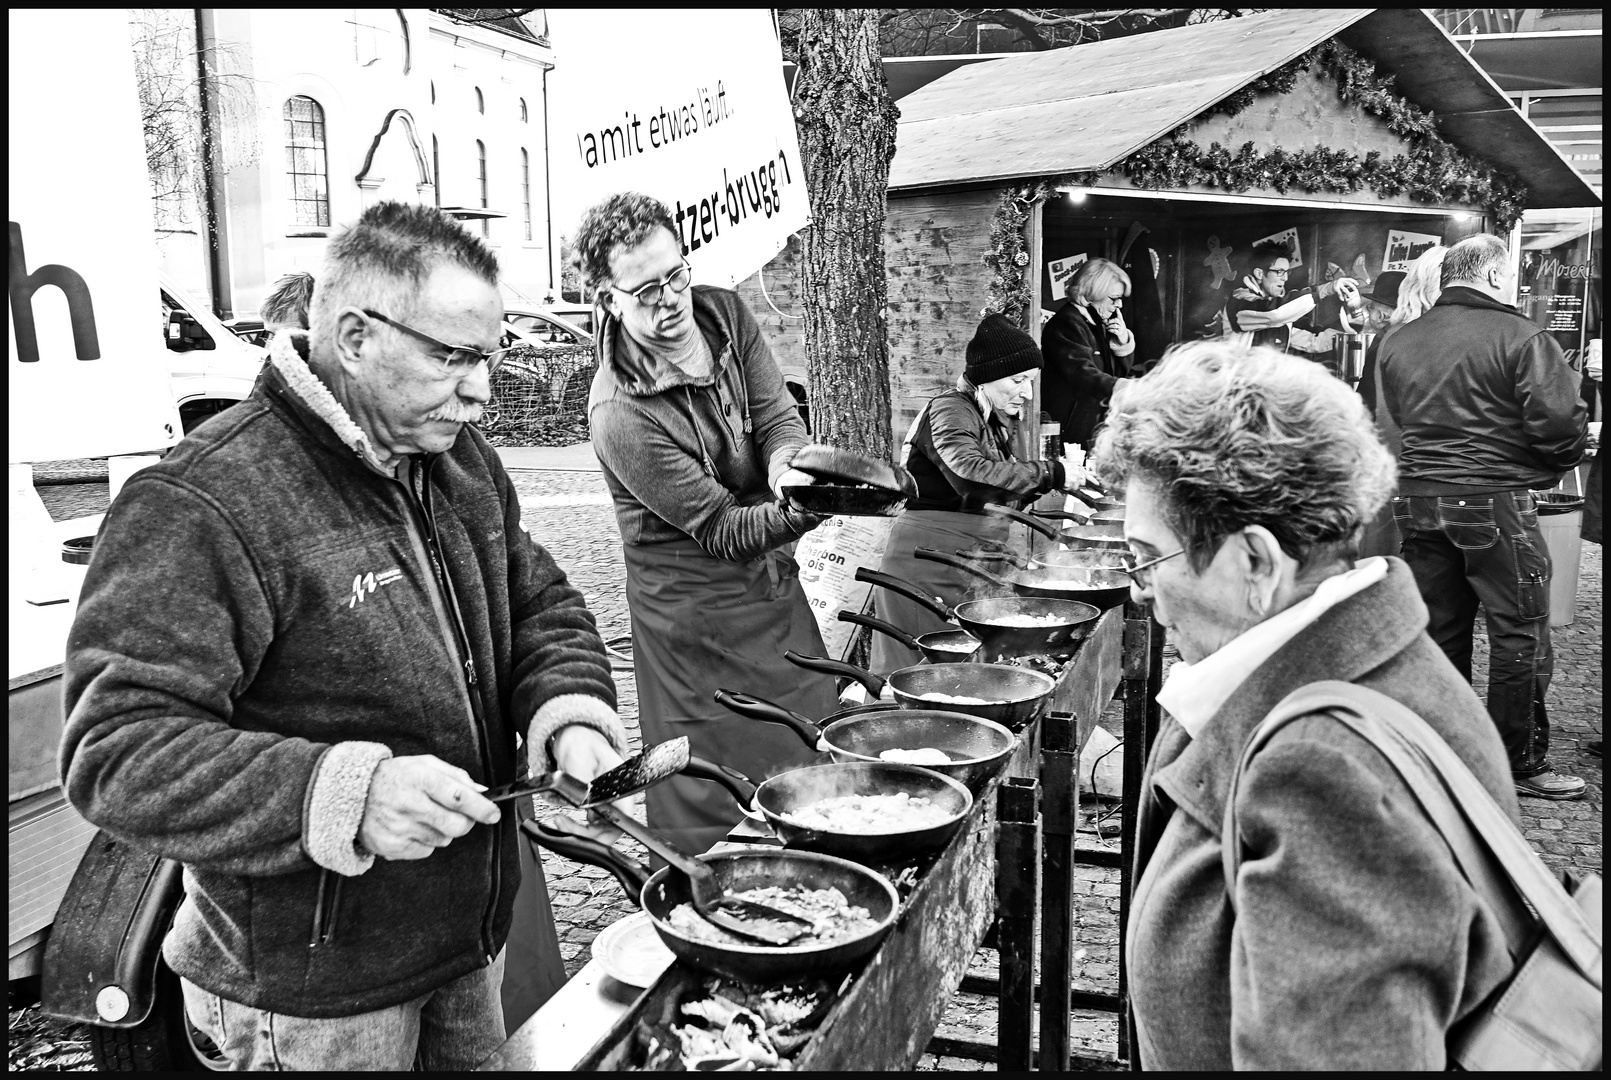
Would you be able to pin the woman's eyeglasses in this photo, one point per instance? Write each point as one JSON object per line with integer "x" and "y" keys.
{"x": 652, "y": 292}
{"x": 1141, "y": 572}
{"x": 459, "y": 360}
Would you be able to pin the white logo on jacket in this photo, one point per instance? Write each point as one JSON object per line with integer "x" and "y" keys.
{"x": 364, "y": 584}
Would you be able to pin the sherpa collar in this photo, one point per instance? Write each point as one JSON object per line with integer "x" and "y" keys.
{"x": 288, "y": 351}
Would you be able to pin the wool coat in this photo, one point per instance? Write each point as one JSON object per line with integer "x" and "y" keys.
{"x": 1352, "y": 940}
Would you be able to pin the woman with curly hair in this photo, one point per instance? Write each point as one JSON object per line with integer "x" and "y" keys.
{"x": 1348, "y": 938}
{"x": 696, "y": 432}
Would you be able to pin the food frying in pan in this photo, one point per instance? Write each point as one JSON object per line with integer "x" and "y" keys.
{"x": 952, "y": 699}
{"x": 833, "y": 916}
{"x": 899, "y": 812}
{"x": 923, "y": 755}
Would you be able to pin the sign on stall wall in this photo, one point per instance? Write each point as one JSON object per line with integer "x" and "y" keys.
{"x": 1403, "y": 248}
{"x": 88, "y": 369}
{"x": 1289, "y": 237}
{"x": 1061, "y": 271}
{"x": 828, "y": 556}
{"x": 706, "y": 129}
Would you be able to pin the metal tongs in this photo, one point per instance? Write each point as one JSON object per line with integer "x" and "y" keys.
{"x": 757, "y": 922}
{"x": 633, "y": 775}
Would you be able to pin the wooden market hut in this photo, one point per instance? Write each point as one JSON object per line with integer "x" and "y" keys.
{"x": 1364, "y": 131}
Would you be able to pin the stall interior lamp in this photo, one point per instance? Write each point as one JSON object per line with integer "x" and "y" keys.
{"x": 1076, "y": 195}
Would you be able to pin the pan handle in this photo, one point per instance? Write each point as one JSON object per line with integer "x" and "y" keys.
{"x": 881, "y": 626}
{"x": 936, "y": 555}
{"x": 906, "y": 589}
{"x": 986, "y": 555}
{"x": 873, "y": 683}
{"x": 1050, "y": 532}
{"x": 743, "y": 791}
{"x": 1063, "y": 515}
{"x": 632, "y": 874}
{"x": 760, "y": 709}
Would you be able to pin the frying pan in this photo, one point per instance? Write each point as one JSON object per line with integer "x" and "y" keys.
{"x": 975, "y": 744}
{"x": 1094, "y": 517}
{"x": 937, "y": 646}
{"x": 1083, "y": 559}
{"x": 848, "y": 483}
{"x": 828, "y": 500}
{"x": 1012, "y": 696}
{"x": 1103, "y": 588}
{"x": 1105, "y": 534}
{"x": 788, "y": 792}
{"x": 738, "y": 871}
{"x": 983, "y": 619}
{"x": 835, "y": 466}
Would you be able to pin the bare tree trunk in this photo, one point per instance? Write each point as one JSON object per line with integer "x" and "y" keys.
{"x": 846, "y": 123}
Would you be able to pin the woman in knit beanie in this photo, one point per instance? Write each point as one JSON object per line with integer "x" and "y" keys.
{"x": 959, "y": 450}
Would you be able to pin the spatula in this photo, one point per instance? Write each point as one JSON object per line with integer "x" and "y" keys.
{"x": 636, "y": 773}
{"x": 746, "y": 918}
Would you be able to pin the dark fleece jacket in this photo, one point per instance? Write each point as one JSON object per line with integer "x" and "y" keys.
{"x": 695, "y": 458}
{"x": 258, "y": 607}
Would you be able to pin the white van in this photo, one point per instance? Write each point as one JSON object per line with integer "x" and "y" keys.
{"x": 210, "y": 367}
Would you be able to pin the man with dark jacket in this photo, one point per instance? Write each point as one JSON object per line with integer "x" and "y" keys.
{"x": 311, "y": 637}
{"x": 1490, "y": 410}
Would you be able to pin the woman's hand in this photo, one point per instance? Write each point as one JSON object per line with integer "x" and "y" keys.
{"x": 1075, "y": 476}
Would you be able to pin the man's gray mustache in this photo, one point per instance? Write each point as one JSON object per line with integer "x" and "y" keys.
{"x": 466, "y": 415}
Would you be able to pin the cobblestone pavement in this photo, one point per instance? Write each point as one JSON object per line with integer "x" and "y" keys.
{"x": 569, "y": 513}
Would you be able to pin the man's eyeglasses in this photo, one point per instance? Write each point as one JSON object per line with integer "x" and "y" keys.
{"x": 458, "y": 360}
{"x": 1276, "y": 273}
{"x": 652, "y": 292}
{"x": 1141, "y": 573}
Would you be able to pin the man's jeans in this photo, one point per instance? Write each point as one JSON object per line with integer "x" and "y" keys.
{"x": 452, "y": 1029}
{"x": 1488, "y": 548}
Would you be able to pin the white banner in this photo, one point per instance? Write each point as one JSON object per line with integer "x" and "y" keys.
{"x": 88, "y": 371}
{"x": 707, "y": 128}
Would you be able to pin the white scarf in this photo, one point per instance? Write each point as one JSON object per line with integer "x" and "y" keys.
{"x": 1193, "y": 693}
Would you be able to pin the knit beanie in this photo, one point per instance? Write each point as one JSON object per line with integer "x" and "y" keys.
{"x": 999, "y": 349}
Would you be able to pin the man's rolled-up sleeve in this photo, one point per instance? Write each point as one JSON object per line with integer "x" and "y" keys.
{"x": 172, "y": 621}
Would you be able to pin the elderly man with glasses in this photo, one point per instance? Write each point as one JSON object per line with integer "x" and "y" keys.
{"x": 1261, "y": 312}
{"x": 696, "y": 433}
{"x": 312, "y": 637}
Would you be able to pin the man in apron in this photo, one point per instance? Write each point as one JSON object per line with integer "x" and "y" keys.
{"x": 959, "y": 451}
{"x": 695, "y": 431}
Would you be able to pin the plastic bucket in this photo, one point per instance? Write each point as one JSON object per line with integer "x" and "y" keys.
{"x": 1560, "y": 519}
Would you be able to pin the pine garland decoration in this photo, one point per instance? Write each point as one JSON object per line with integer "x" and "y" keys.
{"x": 1432, "y": 170}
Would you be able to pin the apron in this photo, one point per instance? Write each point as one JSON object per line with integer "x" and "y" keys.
{"x": 948, "y": 531}
{"x": 700, "y": 623}
{"x": 533, "y": 968}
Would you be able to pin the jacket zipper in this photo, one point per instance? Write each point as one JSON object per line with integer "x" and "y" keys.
{"x": 419, "y": 502}
{"x": 324, "y": 914}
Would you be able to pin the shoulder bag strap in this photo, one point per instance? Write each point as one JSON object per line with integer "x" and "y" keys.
{"x": 1490, "y": 851}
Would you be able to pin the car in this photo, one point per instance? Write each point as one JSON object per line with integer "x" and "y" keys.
{"x": 550, "y": 324}
{"x": 209, "y": 366}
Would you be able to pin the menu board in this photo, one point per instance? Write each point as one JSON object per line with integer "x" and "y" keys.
{"x": 1564, "y": 313}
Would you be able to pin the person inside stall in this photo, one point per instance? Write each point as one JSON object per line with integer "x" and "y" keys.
{"x": 1348, "y": 938}
{"x": 959, "y": 452}
{"x": 1088, "y": 349}
{"x": 1261, "y": 313}
{"x": 695, "y": 432}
